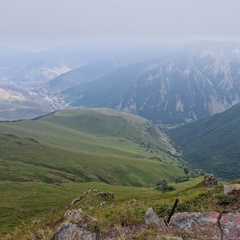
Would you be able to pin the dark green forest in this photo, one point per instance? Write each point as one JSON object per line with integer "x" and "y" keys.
{"x": 212, "y": 144}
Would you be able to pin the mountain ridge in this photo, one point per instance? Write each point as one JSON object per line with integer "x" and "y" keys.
{"x": 186, "y": 85}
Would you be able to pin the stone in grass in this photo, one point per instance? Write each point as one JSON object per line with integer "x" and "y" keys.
{"x": 204, "y": 224}
{"x": 69, "y": 231}
{"x": 79, "y": 217}
{"x": 152, "y": 218}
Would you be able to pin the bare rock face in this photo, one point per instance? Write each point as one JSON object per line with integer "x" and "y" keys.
{"x": 230, "y": 225}
{"x": 200, "y": 224}
{"x": 79, "y": 217}
{"x": 69, "y": 231}
{"x": 74, "y": 201}
{"x": 210, "y": 180}
{"x": 228, "y": 189}
{"x": 74, "y": 216}
{"x": 152, "y": 218}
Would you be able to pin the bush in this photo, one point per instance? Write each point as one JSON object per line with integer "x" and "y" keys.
{"x": 225, "y": 199}
{"x": 164, "y": 187}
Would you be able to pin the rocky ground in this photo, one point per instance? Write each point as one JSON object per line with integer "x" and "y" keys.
{"x": 184, "y": 225}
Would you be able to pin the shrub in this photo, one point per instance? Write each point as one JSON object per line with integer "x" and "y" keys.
{"x": 163, "y": 186}
{"x": 225, "y": 199}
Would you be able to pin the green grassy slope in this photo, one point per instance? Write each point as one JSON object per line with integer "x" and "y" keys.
{"x": 22, "y": 203}
{"x": 212, "y": 143}
{"x": 86, "y": 145}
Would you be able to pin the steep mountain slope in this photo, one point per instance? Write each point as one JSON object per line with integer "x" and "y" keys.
{"x": 86, "y": 145}
{"x": 18, "y": 104}
{"x": 40, "y": 67}
{"x": 212, "y": 144}
{"x": 82, "y": 74}
{"x": 190, "y": 84}
{"x": 36, "y": 73}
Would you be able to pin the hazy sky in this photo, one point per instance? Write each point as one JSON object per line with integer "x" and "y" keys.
{"x": 50, "y": 22}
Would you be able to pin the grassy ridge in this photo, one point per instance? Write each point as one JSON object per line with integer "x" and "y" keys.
{"x": 86, "y": 145}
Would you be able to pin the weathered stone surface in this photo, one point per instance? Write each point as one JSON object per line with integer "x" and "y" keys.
{"x": 230, "y": 225}
{"x": 107, "y": 194}
{"x": 69, "y": 231}
{"x": 228, "y": 189}
{"x": 210, "y": 180}
{"x": 74, "y": 216}
{"x": 78, "y": 216}
{"x": 152, "y": 218}
{"x": 74, "y": 201}
{"x": 200, "y": 224}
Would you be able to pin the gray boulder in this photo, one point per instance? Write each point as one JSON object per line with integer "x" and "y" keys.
{"x": 205, "y": 225}
{"x": 79, "y": 217}
{"x": 152, "y": 218}
{"x": 69, "y": 231}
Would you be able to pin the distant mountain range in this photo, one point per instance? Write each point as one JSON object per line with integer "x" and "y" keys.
{"x": 42, "y": 75}
{"x": 189, "y": 84}
{"x": 212, "y": 144}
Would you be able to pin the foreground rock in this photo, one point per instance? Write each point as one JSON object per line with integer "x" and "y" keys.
{"x": 228, "y": 189}
{"x": 204, "y": 225}
{"x": 230, "y": 226}
{"x": 69, "y": 231}
{"x": 208, "y": 225}
{"x": 152, "y": 218}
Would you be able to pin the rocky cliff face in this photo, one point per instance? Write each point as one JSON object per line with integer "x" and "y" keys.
{"x": 193, "y": 83}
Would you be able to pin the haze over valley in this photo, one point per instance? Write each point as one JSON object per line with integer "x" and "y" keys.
{"x": 111, "y": 111}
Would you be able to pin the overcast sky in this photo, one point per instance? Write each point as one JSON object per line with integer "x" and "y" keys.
{"x": 54, "y": 22}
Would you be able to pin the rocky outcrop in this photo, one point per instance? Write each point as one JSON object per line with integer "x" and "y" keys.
{"x": 79, "y": 217}
{"x": 208, "y": 225}
{"x": 69, "y": 231}
{"x": 228, "y": 189}
{"x": 75, "y": 200}
{"x": 201, "y": 224}
{"x": 74, "y": 216}
{"x": 93, "y": 192}
{"x": 152, "y": 218}
{"x": 210, "y": 180}
{"x": 230, "y": 226}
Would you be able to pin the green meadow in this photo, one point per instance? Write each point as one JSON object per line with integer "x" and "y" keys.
{"x": 22, "y": 203}
{"x": 86, "y": 145}
{"x": 47, "y": 162}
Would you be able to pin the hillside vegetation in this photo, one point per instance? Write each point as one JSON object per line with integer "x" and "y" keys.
{"x": 22, "y": 204}
{"x": 86, "y": 145}
{"x": 212, "y": 144}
